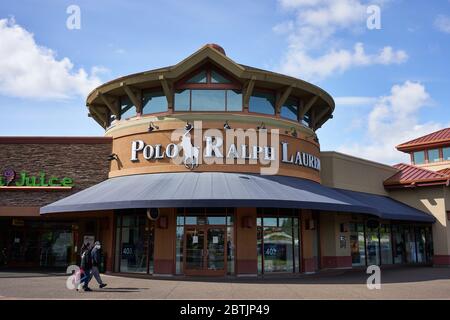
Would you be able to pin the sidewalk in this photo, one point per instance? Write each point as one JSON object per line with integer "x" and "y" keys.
{"x": 398, "y": 283}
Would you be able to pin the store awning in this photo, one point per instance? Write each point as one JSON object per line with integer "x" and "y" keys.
{"x": 210, "y": 189}
{"x": 389, "y": 208}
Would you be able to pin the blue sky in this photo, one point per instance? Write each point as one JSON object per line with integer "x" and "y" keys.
{"x": 390, "y": 85}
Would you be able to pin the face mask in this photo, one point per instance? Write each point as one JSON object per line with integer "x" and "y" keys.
{"x": 98, "y": 246}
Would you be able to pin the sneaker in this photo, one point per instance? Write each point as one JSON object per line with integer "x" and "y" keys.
{"x": 87, "y": 289}
{"x": 102, "y": 285}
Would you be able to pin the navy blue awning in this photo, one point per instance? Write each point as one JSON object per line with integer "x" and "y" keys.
{"x": 389, "y": 208}
{"x": 211, "y": 189}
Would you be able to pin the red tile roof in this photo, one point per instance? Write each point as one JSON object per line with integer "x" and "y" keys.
{"x": 415, "y": 176}
{"x": 445, "y": 171}
{"x": 440, "y": 137}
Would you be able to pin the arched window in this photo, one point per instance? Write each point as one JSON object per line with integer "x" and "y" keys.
{"x": 208, "y": 89}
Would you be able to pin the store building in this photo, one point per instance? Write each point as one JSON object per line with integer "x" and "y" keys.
{"x": 209, "y": 167}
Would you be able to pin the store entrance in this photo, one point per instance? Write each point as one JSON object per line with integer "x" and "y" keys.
{"x": 205, "y": 250}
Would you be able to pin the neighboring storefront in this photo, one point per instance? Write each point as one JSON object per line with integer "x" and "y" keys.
{"x": 213, "y": 168}
{"x": 34, "y": 172}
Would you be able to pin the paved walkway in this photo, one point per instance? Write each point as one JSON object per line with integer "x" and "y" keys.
{"x": 397, "y": 283}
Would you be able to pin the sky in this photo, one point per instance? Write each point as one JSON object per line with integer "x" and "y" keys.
{"x": 386, "y": 63}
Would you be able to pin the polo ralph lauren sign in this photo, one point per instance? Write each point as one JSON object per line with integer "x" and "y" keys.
{"x": 211, "y": 149}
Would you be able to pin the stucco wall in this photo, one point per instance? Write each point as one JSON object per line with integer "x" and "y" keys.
{"x": 431, "y": 200}
{"x": 351, "y": 173}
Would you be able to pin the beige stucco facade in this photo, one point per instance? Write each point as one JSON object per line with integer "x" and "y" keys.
{"x": 351, "y": 173}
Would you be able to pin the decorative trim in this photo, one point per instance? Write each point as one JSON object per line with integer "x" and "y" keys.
{"x": 35, "y": 188}
{"x": 55, "y": 140}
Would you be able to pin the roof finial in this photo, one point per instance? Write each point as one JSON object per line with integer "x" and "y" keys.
{"x": 217, "y": 47}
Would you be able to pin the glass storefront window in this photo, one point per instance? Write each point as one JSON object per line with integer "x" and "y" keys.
{"x": 357, "y": 244}
{"x": 373, "y": 249}
{"x": 446, "y": 154}
{"x": 398, "y": 245}
{"x": 278, "y": 245}
{"x": 135, "y": 240}
{"x": 289, "y": 109}
{"x": 154, "y": 102}
{"x": 262, "y": 102}
{"x": 386, "y": 245}
{"x": 127, "y": 108}
{"x": 179, "y": 249}
{"x": 433, "y": 155}
{"x": 419, "y": 157}
{"x": 421, "y": 243}
{"x": 410, "y": 245}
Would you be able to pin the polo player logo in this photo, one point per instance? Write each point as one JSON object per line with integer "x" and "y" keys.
{"x": 190, "y": 151}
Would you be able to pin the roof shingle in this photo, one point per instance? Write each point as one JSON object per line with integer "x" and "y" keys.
{"x": 415, "y": 176}
{"x": 440, "y": 136}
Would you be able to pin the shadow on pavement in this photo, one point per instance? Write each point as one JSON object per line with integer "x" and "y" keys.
{"x": 391, "y": 274}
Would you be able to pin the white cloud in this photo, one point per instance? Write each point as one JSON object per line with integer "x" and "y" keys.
{"x": 354, "y": 101}
{"x": 442, "y": 23}
{"x": 32, "y": 71}
{"x": 314, "y": 28}
{"x": 394, "y": 119}
{"x": 299, "y": 63}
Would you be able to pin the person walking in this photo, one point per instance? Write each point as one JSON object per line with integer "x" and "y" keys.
{"x": 96, "y": 254}
{"x": 86, "y": 267}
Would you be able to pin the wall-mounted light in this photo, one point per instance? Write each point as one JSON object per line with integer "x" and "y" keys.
{"x": 262, "y": 126}
{"x": 226, "y": 126}
{"x": 188, "y": 126}
{"x": 292, "y": 132}
{"x": 152, "y": 127}
{"x": 112, "y": 157}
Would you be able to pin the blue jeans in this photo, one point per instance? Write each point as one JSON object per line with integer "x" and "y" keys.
{"x": 86, "y": 278}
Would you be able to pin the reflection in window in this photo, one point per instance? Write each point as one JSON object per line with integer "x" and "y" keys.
{"x": 305, "y": 120}
{"x": 208, "y": 100}
{"x": 386, "y": 246}
{"x": 182, "y": 100}
{"x": 134, "y": 244}
{"x": 198, "y": 78}
{"x": 398, "y": 245}
{"x": 277, "y": 242}
{"x": 289, "y": 109}
{"x": 446, "y": 153}
{"x": 410, "y": 245}
{"x": 373, "y": 256}
{"x": 262, "y": 102}
{"x": 357, "y": 244}
{"x": 234, "y": 100}
{"x": 419, "y": 157}
{"x": 127, "y": 109}
{"x": 154, "y": 102}
{"x": 433, "y": 155}
{"x": 218, "y": 78}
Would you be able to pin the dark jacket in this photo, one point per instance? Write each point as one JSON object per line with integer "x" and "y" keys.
{"x": 86, "y": 260}
{"x": 96, "y": 257}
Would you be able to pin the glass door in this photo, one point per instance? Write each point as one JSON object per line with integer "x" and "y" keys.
{"x": 205, "y": 250}
{"x": 195, "y": 249}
